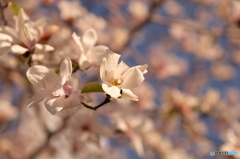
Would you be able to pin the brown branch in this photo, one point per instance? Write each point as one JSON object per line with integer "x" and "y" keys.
{"x": 3, "y": 5}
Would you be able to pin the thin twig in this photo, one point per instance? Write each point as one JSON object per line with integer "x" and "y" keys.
{"x": 107, "y": 100}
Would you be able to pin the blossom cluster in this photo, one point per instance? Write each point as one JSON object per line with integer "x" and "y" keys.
{"x": 57, "y": 91}
{"x": 74, "y": 58}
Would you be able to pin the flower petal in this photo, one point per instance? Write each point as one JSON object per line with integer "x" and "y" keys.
{"x": 96, "y": 54}
{"x": 72, "y": 101}
{"x": 17, "y": 49}
{"x": 143, "y": 68}
{"x": 109, "y": 65}
{"x": 5, "y": 47}
{"x": 42, "y": 77}
{"x": 121, "y": 68}
{"x": 113, "y": 91}
{"x": 133, "y": 79}
{"x": 89, "y": 39}
{"x": 40, "y": 96}
{"x": 41, "y": 48}
{"x": 54, "y": 105}
{"x": 66, "y": 67}
{"x": 83, "y": 62}
{"x": 129, "y": 94}
{"x": 78, "y": 42}
{"x": 21, "y": 19}
{"x": 10, "y": 32}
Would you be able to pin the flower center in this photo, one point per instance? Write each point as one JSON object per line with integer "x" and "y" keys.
{"x": 116, "y": 82}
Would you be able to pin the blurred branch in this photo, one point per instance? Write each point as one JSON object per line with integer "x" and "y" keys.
{"x": 154, "y": 6}
{"x": 213, "y": 31}
{"x": 3, "y": 5}
{"x": 49, "y": 137}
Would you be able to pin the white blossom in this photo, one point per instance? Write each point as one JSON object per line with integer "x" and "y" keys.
{"x": 118, "y": 79}
{"x": 24, "y": 37}
{"x": 57, "y": 92}
{"x": 88, "y": 53}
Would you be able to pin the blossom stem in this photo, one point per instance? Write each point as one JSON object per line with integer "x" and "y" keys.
{"x": 107, "y": 100}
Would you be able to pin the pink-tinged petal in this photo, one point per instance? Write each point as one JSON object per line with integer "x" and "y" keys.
{"x": 64, "y": 87}
{"x": 66, "y": 67}
{"x": 25, "y": 34}
{"x": 113, "y": 91}
{"x": 40, "y": 96}
{"x": 89, "y": 39}
{"x": 96, "y": 54}
{"x": 129, "y": 94}
{"x": 72, "y": 101}
{"x": 17, "y": 49}
{"x": 42, "y": 77}
{"x": 78, "y": 42}
{"x": 5, "y": 47}
{"x": 42, "y": 48}
{"x": 132, "y": 80}
{"x": 83, "y": 62}
{"x": 55, "y": 105}
{"x": 58, "y": 90}
{"x": 120, "y": 69}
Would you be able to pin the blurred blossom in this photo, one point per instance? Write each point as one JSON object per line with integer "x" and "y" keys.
{"x": 8, "y": 61}
{"x": 175, "y": 101}
{"x": 235, "y": 13}
{"x": 166, "y": 65}
{"x": 146, "y": 96}
{"x": 88, "y": 54}
{"x": 210, "y": 101}
{"x": 70, "y": 10}
{"x": 232, "y": 141}
{"x": 24, "y": 38}
{"x": 7, "y": 111}
{"x": 177, "y": 31}
{"x": 235, "y": 57}
{"x": 89, "y": 20}
{"x": 135, "y": 6}
{"x": 57, "y": 92}
{"x": 119, "y": 36}
{"x": 173, "y": 8}
{"x": 222, "y": 71}
{"x": 134, "y": 126}
{"x": 118, "y": 79}
{"x": 206, "y": 48}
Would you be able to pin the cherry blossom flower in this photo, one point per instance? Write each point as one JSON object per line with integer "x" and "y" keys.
{"x": 57, "y": 92}
{"x": 24, "y": 37}
{"x": 118, "y": 79}
{"x": 88, "y": 53}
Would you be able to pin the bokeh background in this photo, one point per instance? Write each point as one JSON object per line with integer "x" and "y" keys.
{"x": 188, "y": 104}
